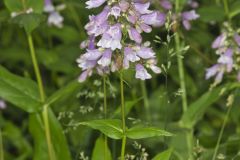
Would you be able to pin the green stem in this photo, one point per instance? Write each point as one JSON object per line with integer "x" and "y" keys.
{"x": 105, "y": 114}
{"x": 189, "y": 135}
{"x": 221, "y": 133}
{"x": 123, "y": 147}
{"x": 1, "y": 146}
{"x": 145, "y": 99}
{"x": 42, "y": 97}
{"x": 226, "y": 8}
{"x": 36, "y": 68}
{"x": 47, "y": 133}
{"x": 181, "y": 72}
{"x": 123, "y": 116}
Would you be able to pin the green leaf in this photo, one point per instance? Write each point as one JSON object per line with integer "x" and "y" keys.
{"x": 28, "y": 21}
{"x": 235, "y": 9}
{"x": 128, "y": 107}
{"x": 20, "y": 6}
{"x": 71, "y": 87}
{"x": 145, "y": 132}
{"x": 164, "y": 155}
{"x": 21, "y": 92}
{"x": 198, "y": 108}
{"x": 57, "y": 136}
{"x": 98, "y": 151}
{"x": 109, "y": 127}
{"x": 211, "y": 13}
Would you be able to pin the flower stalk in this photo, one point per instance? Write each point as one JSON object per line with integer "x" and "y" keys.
{"x": 189, "y": 136}
{"x": 42, "y": 97}
{"x": 105, "y": 113}
{"x": 123, "y": 116}
{"x": 1, "y": 146}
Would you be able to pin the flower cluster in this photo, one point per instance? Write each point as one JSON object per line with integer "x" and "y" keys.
{"x": 115, "y": 40}
{"x": 186, "y": 16}
{"x": 54, "y": 17}
{"x": 227, "y": 46}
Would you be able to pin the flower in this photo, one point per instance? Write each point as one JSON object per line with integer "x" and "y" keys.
{"x": 2, "y": 104}
{"x": 115, "y": 40}
{"x": 94, "y": 3}
{"x": 141, "y": 73}
{"x": 226, "y": 46}
{"x": 54, "y": 17}
{"x": 187, "y": 17}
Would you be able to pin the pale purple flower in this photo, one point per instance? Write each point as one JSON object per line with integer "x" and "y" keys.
{"x": 2, "y": 104}
{"x": 166, "y": 4}
{"x": 152, "y": 64}
{"x": 187, "y": 17}
{"x": 84, "y": 75}
{"x": 54, "y": 17}
{"x": 155, "y": 18}
{"x": 237, "y": 39}
{"x": 105, "y": 60}
{"x": 94, "y": 3}
{"x": 124, "y": 5}
{"x": 145, "y": 52}
{"x": 130, "y": 55}
{"x": 142, "y": 8}
{"x": 141, "y": 73}
{"x": 219, "y": 41}
{"x": 98, "y": 24}
{"x": 227, "y": 59}
{"x": 116, "y": 11}
{"x": 134, "y": 35}
{"x": 107, "y": 51}
{"x": 112, "y": 38}
{"x": 193, "y": 4}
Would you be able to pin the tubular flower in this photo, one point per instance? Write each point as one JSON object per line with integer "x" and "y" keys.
{"x": 54, "y": 17}
{"x": 227, "y": 46}
{"x": 115, "y": 40}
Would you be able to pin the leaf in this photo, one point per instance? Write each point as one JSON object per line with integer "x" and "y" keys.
{"x": 145, "y": 132}
{"x": 109, "y": 127}
{"x": 20, "y": 6}
{"x": 211, "y": 13}
{"x": 164, "y": 155}
{"x": 198, "y": 108}
{"x": 98, "y": 151}
{"x": 71, "y": 87}
{"x": 128, "y": 106}
{"x": 28, "y": 21}
{"x": 235, "y": 9}
{"x": 21, "y": 92}
{"x": 57, "y": 137}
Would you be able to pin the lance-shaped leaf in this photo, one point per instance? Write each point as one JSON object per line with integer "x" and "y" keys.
{"x": 164, "y": 155}
{"x": 99, "y": 152}
{"x": 145, "y": 132}
{"x": 109, "y": 127}
{"x": 19, "y": 91}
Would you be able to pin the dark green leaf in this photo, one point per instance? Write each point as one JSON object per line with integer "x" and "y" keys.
{"x": 20, "y": 5}
{"x": 145, "y": 132}
{"x": 98, "y": 151}
{"x": 211, "y": 13}
{"x": 164, "y": 155}
{"x": 235, "y": 9}
{"x": 198, "y": 108}
{"x": 57, "y": 136}
{"x": 109, "y": 127}
{"x": 21, "y": 92}
{"x": 28, "y": 21}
